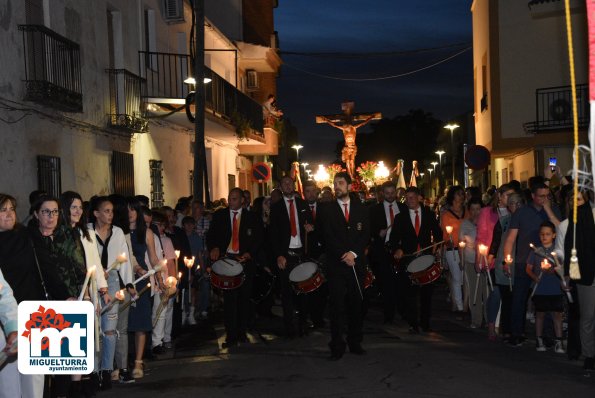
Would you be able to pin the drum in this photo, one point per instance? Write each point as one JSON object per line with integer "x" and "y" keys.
{"x": 424, "y": 269}
{"x": 227, "y": 274}
{"x": 262, "y": 285}
{"x": 368, "y": 277}
{"x": 306, "y": 277}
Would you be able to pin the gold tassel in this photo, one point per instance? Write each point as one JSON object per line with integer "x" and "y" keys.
{"x": 573, "y": 269}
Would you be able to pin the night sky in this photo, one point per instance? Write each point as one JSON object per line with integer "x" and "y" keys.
{"x": 357, "y": 26}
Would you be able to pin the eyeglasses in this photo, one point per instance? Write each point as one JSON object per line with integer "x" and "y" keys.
{"x": 48, "y": 212}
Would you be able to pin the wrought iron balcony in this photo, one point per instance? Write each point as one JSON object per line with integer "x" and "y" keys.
{"x": 127, "y": 107}
{"x": 52, "y": 69}
{"x": 553, "y": 109}
{"x": 165, "y": 74}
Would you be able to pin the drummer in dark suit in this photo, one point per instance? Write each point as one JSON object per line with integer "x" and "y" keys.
{"x": 415, "y": 229}
{"x": 290, "y": 221}
{"x": 317, "y": 299}
{"x": 237, "y": 233}
{"x": 382, "y": 216}
{"x": 346, "y": 233}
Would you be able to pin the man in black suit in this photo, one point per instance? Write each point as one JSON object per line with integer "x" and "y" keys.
{"x": 290, "y": 221}
{"x": 346, "y": 232}
{"x": 237, "y": 233}
{"x": 382, "y": 216}
{"x": 317, "y": 299}
{"x": 413, "y": 230}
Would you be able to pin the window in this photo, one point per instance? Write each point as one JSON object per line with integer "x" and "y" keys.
{"x": 251, "y": 80}
{"x": 231, "y": 181}
{"x": 123, "y": 173}
{"x": 49, "y": 175}
{"x": 150, "y": 39}
{"x": 156, "y": 167}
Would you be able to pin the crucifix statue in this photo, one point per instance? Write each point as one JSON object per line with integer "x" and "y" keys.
{"x": 345, "y": 122}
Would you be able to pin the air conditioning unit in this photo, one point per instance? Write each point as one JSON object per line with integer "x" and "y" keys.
{"x": 251, "y": 80}
{"x": 173, "y": 10}
{"x": 560, "y": 110}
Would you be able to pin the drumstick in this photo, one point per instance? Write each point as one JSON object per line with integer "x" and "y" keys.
{"x": 424, "y": 249}
{"x": 357, "y": 281}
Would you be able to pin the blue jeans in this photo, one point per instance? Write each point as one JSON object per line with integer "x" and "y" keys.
{"x": 204, "y": 291}
{"x": 109, "y": 322}
{"x": 520, "y": 294}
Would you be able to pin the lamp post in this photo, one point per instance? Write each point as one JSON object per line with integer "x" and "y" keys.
{"x": 452, "y": 127}
{"x": 430, "y": 170}
{"x": 439, "y": 153}
{"x": 297, "y": 148}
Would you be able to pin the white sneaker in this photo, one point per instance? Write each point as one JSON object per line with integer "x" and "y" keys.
{"x": 540, "y": 347}
{"x": 559, "y": 347}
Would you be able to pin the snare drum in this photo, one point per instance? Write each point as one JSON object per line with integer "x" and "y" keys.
{"x": 227, "y": 274}
{"x": 306, "y": 277}
{"x": 424, "y": 270}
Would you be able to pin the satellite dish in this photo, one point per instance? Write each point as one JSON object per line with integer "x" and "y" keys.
{"x": 477, "y": 157}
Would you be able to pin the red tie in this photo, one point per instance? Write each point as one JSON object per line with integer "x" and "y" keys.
{"x": 313, "y": 210}
{"x": 392, "y": 213}
{"x": 346, "y": 211}
{"x": 417, "y": 222}
{"x": 292, "y": 219}
{"x": 235, "y": 233}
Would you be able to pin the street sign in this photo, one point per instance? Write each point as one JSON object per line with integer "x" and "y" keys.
{"x": 261, "y": 172}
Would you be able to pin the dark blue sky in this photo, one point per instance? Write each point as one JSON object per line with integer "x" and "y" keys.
{"x": 358, "y": 26}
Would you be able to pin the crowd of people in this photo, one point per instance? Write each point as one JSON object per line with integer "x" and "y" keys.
{"x": 504, "y": 253}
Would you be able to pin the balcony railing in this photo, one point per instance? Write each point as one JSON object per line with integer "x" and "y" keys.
{"x": 52, "y": 69}
{"x": 127, "y": 107}
{"x": 553, "y": 109}
{"x": 165, "y": 74}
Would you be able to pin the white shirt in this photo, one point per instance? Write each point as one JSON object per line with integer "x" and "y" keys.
{"x": 295, "y": 242}
{"x": 387, "y": 214}
{"x": 342, "y": 205}
{"x": 412, "y": 216}
{"x": 238, "y": 217}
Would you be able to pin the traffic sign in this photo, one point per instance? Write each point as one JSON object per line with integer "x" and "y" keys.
{"x": 261, "y": 172}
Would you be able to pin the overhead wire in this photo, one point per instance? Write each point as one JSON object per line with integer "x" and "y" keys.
{"x": 324, "y": 76}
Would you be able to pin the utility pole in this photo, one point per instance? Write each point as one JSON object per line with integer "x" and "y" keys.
{"x": 200, "y": 176}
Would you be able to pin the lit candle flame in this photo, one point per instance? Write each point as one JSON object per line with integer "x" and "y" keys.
{"x": 171, "y": 281}
{"x": 449, "y": 229}
{"x": 462, "y": 244}
{"x": 483, "y": 249}
{"x": 120, "y": 295}
{"x": 189, "y": 261}
{"x": 179, "y": 275}
{"x": 545, "y": 264}
{"x": 122, "y": 258}
{"x": 177, "y": 252}
{"x": 508, "y": 259}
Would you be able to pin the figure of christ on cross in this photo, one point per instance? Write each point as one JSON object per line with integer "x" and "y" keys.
{"x": 345, "y": 122}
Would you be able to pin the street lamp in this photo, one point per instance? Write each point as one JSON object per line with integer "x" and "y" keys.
{"x": 305, "y": 165}
{"x": 452, "y": 127}
{"x": 297, "y": 148}
{"x": 431, "y": 188}
{"x": 440, "y": 153}
{"x": 434, "y": 164}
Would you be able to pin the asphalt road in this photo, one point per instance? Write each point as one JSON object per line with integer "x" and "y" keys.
{"x": 452, "y": 361}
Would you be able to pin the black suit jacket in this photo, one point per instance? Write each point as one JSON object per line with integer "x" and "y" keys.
{"x": 251, "y": 232}
{"x": 280, "y": 229}
{"x": 403, "y": 235}
{"x": 315, "y": 238}
{"x": 377, "y": 223}
{"x": 341, "y": 236}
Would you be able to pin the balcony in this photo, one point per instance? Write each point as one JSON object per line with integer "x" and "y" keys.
{"x": 165, "y": 74}
{"x": 52, "y": 69}
{"x": 127, "y": 107}
{"x": 553, "y": 110}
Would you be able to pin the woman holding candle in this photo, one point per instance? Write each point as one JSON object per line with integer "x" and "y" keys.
{"x": 111, "y": 244}
{"x": 143, "y": 248}
{"x": 451, "y": 217}
{"x": 488, "y": 217}
{"x": 475, "y": 279}
{"x": 503, "y": 278}
{"x": 20, "y": 271}
{"x": 547, "y": 294}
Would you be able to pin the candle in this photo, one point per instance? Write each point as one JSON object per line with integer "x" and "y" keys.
{"x": 171, "y": 281}
{"x": 177, "y": 252}
{"x": 462, "y": 244}
{"x": 449, "y": 229}
{"x": 483, "y": 249}
{"x": 545, "y": 265}
{"x": 508, "y": 259}
{"x": 90, "y": 272}
{"x": 120, "y": 295}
